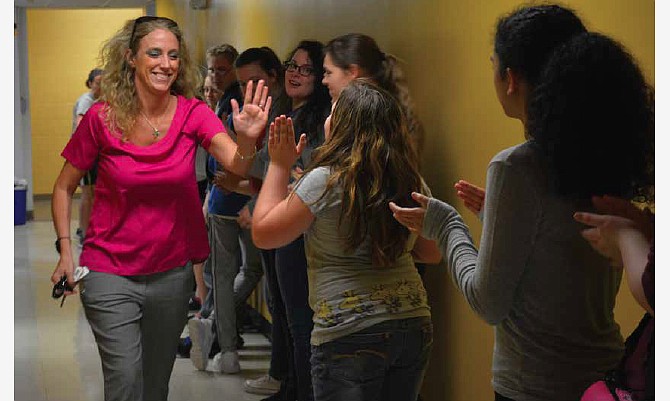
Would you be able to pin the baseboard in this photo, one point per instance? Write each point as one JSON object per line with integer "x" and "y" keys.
{"x": 47, "y": 197}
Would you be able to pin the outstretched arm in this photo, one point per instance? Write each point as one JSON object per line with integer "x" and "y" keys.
{"x": 249, "y": 124}
{"x": 278, "y": 218}
{"x": 487, "y": 280}
{"x": 624, "y": 243}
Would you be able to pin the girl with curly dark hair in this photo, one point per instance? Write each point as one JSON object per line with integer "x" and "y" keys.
{"x": 548, "y": 294}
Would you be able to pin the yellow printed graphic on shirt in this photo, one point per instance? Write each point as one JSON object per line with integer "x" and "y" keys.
{"x": 397, "y": 297}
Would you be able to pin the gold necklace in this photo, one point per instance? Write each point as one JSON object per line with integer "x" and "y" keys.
{"x": 156, "y": 132}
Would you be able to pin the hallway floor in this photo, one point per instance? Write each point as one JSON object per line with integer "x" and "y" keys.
{"x": 55, "y": 356}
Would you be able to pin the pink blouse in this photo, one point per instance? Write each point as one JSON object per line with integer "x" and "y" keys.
{"x": 146, "y": 216}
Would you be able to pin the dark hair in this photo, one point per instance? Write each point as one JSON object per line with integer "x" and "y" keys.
{"x": 593, "y": 117}
{"x": 91, "y": 76}
{"x": 371, "y": 158}
{"x": 525, "y": 38}
{"x": 267, "y": 59}
{"x": 317, "y": 108}
{"x": 382, "y": 68}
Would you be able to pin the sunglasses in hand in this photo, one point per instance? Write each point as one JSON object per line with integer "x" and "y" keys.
{"x": 59, "y": 289}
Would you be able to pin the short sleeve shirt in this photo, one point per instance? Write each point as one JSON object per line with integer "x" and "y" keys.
{"x": 147, "y": 216}
{"x": 346, "y": 292}
{"x": 81, "y": 106}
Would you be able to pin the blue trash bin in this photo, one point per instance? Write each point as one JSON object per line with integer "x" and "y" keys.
{"x": 19, "y": 205}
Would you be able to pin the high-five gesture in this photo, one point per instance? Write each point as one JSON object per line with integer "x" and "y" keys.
{"x": 281, "y": 143}
{"x": 251, "y": 121}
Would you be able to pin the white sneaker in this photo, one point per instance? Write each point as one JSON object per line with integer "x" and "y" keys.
{"x": 202, "y": 337}
{"x": 264, "y": 385}
{"x": 227, "y": 362}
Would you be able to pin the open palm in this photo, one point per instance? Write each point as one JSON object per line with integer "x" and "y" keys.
{"x": 252, "y": 119}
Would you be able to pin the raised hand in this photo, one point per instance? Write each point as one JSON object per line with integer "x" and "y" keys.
{"x": 281, "y": 143}
{"x": 471, "y": 195}
{"x": 251, "y": 121}
{"x": 411, "y": 217}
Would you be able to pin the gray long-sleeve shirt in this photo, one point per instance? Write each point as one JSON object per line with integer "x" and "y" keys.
{"x": 549, "y": 295}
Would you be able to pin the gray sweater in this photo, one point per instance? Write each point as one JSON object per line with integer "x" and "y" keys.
{"x": 548, "y": 294}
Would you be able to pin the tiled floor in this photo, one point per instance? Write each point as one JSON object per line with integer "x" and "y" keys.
{"x": 55, "y": 356}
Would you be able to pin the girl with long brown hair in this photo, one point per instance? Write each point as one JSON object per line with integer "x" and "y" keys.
{"x": 372, "y": 331}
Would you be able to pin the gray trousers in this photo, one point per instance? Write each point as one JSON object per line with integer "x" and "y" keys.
{"x": 136, "y": 321}
{"x": 232, "y": 281}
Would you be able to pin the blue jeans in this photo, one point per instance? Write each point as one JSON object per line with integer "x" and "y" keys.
{"x": 280, "y": 368}
{"x": 291, "y": 270}
{"x": 384, "y": 362}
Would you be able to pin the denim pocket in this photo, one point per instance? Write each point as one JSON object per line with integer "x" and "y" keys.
{"x": 427, "y": 336}
{"x": 356, "y": 358}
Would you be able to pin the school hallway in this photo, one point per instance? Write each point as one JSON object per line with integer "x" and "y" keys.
{"x": 55, "y": 355}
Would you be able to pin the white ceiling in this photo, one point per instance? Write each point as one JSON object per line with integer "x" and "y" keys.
{"x": 82, "y": 3}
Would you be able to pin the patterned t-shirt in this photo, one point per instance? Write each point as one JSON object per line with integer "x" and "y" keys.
{"x": 346, "y": 292}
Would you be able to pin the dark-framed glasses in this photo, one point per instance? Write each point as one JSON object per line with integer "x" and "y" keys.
{"x": 148, "y": 18}
{"x": 305, "y": 70}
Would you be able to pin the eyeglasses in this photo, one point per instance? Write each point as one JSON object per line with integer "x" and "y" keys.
{"x": 305, "y": 70}
{"x": 148, "y": 18}
{"x": 59, "y": 289}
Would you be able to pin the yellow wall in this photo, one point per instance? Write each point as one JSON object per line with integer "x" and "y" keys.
{"x": 446, "y": 45}
{"x": 63, "y": 47}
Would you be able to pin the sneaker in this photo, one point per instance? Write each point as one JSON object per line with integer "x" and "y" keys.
{"x": 227, "y": 362}
{"x": 264, "y": 385}
{"x": 202, "y": 335}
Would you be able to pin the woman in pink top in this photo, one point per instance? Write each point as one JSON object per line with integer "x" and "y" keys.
{"x": 146, "y": 227}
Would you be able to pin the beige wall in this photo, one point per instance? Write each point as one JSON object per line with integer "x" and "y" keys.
{"x": 63, "y": 47}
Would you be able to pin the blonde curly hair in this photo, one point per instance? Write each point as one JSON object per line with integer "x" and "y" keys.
{"x": 118, "y": 81}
